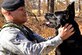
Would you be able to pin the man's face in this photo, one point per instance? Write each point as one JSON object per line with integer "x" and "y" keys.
{"x": 19, "y": 15}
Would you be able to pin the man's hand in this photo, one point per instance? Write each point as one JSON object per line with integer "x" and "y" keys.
{"x": 66, "y": 31}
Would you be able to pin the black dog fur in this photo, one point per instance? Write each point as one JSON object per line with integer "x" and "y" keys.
{"x": 72, "y": 45}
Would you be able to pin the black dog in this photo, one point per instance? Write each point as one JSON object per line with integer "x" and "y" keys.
{"x": 72, "y": 45}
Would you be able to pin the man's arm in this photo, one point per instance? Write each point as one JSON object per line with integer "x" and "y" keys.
{"x": 22, "y": 45}
{"x": 15, "y": 41}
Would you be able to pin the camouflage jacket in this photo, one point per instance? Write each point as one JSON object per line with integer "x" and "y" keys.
{"x": 14, "y": 42}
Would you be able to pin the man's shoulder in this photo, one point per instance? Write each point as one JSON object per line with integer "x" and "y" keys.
{"x": 10, "y": 27}
{"x": 9, "y": 31}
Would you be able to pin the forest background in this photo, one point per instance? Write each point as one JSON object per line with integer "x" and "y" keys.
{"x": 36, "y": 10}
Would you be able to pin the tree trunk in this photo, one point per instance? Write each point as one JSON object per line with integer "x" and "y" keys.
{"x": 39, "y": 7}
{"x": 48, "y": 5}
{"x": 51, "y": 6}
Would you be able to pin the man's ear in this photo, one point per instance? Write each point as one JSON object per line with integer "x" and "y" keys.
{"x": 5, "y": 12}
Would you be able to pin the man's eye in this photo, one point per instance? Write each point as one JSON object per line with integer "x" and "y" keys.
{"x": 21, "y": 9}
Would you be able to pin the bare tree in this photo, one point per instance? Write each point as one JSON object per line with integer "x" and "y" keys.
{"x": 79, "y": 5}
{"x": 51, "y": 6}
{"x": 48, "y": 5}
{"x": 39, "y": 7}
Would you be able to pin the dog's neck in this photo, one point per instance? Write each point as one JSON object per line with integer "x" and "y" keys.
{"x": 77, "y": 33}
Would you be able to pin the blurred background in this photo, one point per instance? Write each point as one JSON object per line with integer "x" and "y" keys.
{"x": 36, "y": 10}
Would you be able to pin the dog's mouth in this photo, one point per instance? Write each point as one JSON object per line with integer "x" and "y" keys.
{"x": 51, "y": 25}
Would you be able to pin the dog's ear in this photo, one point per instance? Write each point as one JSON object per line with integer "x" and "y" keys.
{"x": 71, "y": 10}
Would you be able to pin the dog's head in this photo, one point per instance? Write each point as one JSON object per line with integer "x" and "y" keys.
{"x": 55, "y": 20}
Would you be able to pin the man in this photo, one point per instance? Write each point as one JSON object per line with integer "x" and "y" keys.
{"x": 16, "y": 39}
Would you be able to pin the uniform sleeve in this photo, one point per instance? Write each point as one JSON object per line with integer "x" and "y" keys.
{"x": 39, "y": 38}
{"x": 15, "y": 41}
